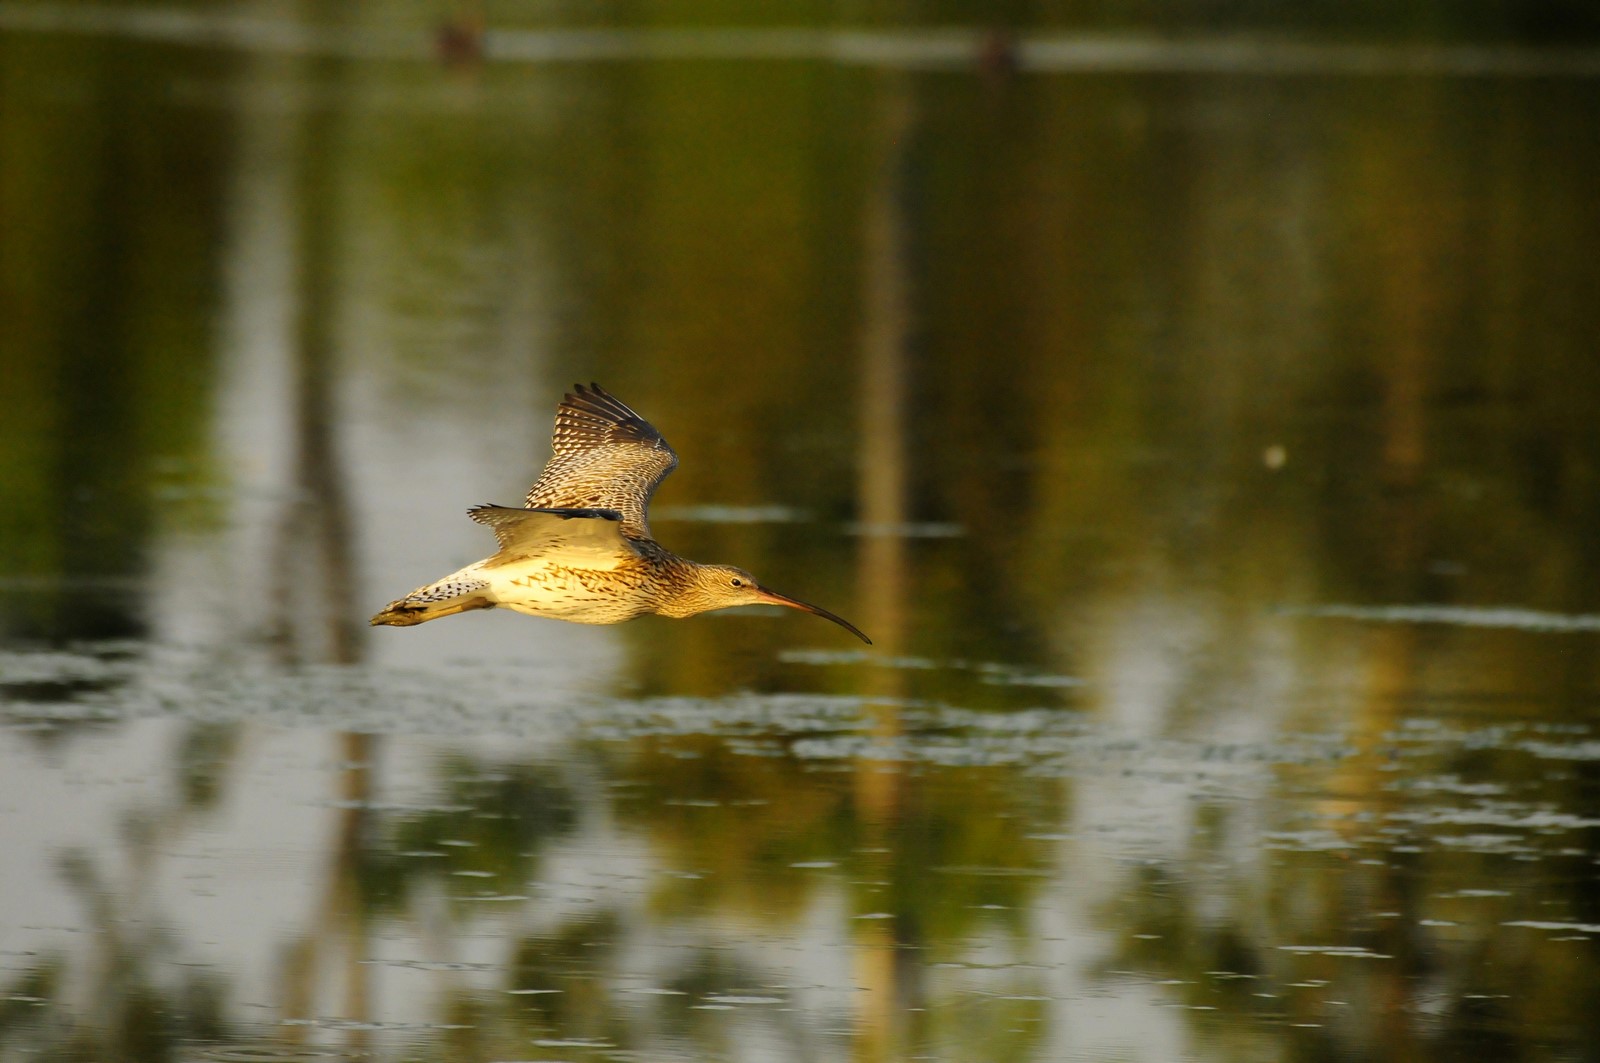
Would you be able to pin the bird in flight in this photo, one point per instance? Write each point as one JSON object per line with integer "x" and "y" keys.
{"x": 580, "y": 548}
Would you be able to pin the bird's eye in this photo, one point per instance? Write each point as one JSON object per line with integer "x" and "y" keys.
{"x": 737, "y": 582}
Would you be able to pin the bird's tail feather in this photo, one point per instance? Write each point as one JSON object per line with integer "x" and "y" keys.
{"x": 447, "y": 597}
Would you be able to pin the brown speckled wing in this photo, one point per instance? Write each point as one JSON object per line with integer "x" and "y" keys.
{"x": 605, "y": 457}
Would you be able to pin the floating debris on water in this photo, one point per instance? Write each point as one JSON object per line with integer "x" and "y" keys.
{"x": 1506, "y": 617}
{"x": 433, "y": 965}
{"x": 358, "y": 1024}
{"x": 989, "y": 673}
{"x": 1357, "y": 952}
{"x": 909, "y": 530}
{"x": 1562, "y": 750}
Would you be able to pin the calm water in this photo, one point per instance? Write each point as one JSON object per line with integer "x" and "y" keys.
{"x": 1205, "y": 431}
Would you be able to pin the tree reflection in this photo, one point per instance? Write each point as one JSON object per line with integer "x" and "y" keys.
{"x": 742, "y": 823}
{"x": 105, "y": 284}
{"x": 485, "y": 836}
{"x": 887, "y": 968}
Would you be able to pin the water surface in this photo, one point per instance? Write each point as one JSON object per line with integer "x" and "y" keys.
{"x": 1203, "y": 429}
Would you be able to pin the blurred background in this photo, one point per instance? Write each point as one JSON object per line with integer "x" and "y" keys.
{"x": 1196, "y": 402}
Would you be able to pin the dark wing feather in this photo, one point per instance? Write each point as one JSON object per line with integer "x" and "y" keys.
{"x": 605, "y": 457}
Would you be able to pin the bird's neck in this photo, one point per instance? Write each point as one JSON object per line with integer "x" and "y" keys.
{"x": 681, "y": 592}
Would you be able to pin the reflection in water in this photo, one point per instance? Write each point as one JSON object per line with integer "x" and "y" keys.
{"x": 886, "y": 941}
{"x": 314, "y": 600}
{"x": 315, "y": 614}
{"x": 1164, "y": 389}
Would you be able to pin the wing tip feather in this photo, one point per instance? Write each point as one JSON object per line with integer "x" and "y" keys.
{"x": 594, "y": 412}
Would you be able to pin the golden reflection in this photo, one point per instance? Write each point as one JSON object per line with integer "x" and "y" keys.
{"x": 881, "y": 492}
{"x": 1363, "y": 789}
{"x": 882, "y": 485}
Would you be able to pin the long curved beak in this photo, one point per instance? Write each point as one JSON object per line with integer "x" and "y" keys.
{"x": 806, "y": 607}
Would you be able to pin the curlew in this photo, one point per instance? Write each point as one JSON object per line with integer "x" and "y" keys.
{"x": 580, "y": 549}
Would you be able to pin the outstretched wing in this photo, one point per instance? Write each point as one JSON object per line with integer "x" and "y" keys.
{"x": 605, "y": 457}
{"x": 581, "y": 538}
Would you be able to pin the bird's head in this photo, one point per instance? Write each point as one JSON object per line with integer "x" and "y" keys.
{"x": 724, "y": 586}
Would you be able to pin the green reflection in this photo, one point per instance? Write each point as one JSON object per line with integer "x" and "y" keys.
{"x": 111, "y": 215}
{"x": 485, "y": 838}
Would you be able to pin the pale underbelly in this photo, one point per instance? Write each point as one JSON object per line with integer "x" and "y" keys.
{"x": 582, "y": 596}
